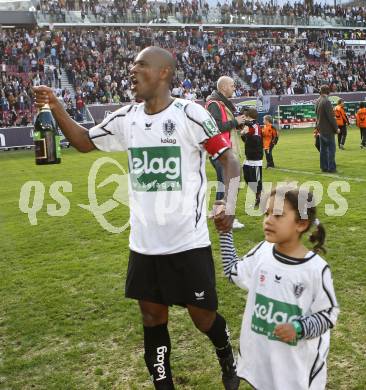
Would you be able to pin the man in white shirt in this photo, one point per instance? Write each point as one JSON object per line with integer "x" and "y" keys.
{"x": 170, "y": 253}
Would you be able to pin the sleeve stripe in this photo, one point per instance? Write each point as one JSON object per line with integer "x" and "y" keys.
{"x": 195, "y": 121}
{"x": 107, "y": 131}
{"x": 104, "y": 126}
{"x": 327, "y": 319}
{"x": 199, "y": 207}
{"x": 255, "y": 250}
{"x": 228, "y": 255}
{"x": 316, "y": 372}
{"x": 113, "y": 118}
{"x": 325, "y": 289}
{"x": 100, "y": 135}
{"x": 311, "y": 376}
{"x": 220, "y": 153}
{"x": 91, "y": 140}
{"x": 316, "y": 324}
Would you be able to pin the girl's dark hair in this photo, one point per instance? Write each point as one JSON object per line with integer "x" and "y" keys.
{"x": 303, "y": 203}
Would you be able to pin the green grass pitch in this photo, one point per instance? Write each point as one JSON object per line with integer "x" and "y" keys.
{"x": 64, "y": 321}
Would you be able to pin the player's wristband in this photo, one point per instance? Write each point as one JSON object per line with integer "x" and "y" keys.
{"x": 298, "y": 329}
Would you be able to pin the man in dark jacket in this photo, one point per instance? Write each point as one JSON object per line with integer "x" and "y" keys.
{"x": 222, "y": 110}
{"x": 327, "y": 126}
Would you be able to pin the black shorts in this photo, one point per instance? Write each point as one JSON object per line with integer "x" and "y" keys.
{"x": 253, "y": 177}
{"x": 177, "y": 279}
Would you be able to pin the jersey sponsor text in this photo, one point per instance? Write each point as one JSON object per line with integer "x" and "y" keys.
{"x": 155, "y": 168}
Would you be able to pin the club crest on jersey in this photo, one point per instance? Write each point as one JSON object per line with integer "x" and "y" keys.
{"x": 169, "y": 128}
{"x": 262, "y": 277}
{"x": 299, "y": 289}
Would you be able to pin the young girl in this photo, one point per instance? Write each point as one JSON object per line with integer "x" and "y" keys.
{"x": 291, "y": 304}
{"x": 270, "y": 139}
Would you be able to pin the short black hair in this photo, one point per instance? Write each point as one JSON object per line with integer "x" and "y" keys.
{"x": 252, "y": 113}
{"x": 324, "y": 89}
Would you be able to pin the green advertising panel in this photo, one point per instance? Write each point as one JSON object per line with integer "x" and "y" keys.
{"x": 304, "y": 112}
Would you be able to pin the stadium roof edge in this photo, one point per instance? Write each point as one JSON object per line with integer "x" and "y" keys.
{"x": 191, "y": 25}
{"x": 18, "y": 18}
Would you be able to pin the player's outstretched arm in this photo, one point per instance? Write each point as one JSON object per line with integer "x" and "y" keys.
{"x": 75, "y": 133}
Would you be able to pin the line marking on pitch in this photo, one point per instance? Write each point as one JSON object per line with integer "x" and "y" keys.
{"x": 358, "y": 179}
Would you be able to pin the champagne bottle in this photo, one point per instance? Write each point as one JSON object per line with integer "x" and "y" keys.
{"x": 46, "y": 138}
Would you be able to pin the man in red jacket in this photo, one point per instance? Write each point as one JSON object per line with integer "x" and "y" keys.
{"x": 222, "y": 110}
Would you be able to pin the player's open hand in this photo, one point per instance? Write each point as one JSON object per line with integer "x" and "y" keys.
{"x": 44, "y": 95}
{"x": 285, "y": 332}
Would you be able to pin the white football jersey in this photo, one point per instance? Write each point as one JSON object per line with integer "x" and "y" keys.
{"x": 282, "y": 289}
{"x": 167, "y": 179}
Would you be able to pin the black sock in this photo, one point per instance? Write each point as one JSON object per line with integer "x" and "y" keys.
{"x": 157, "y": 353}
{"x": 220, "y": 337}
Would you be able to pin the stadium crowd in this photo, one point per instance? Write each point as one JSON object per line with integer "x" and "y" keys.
{"x": 113, "y": 11}
{"x": 97, "y": 63}
{"x": 192, "y": 11}
{"x": 297, "y": 13}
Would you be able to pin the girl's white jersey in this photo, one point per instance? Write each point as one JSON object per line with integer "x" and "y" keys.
{"x": 282, "y": 289}
{"x": 167, "y": 179}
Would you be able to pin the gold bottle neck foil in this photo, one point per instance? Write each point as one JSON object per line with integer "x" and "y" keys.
{"x": 46, "y": 107}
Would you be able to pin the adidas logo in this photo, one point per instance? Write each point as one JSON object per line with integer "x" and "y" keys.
{"x": 199, "y": 295}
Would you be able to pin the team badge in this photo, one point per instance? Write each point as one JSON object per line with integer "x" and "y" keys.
{"x": 262, "y": 277}
{"x": 169, "y": 128}
{"x": 298, "y": 289}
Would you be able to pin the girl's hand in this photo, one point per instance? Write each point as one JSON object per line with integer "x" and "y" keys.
{"x": 285, "y": 332}
{"x": 217, "y": 209}
{"x": 218, "y": 213}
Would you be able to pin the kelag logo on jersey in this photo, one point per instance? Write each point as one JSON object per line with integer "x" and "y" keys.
{"x": 268, "y": 313}
{"x": 155, "y": 168}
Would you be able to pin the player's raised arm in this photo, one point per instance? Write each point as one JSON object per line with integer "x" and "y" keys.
{"x": 75, "y": 133}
